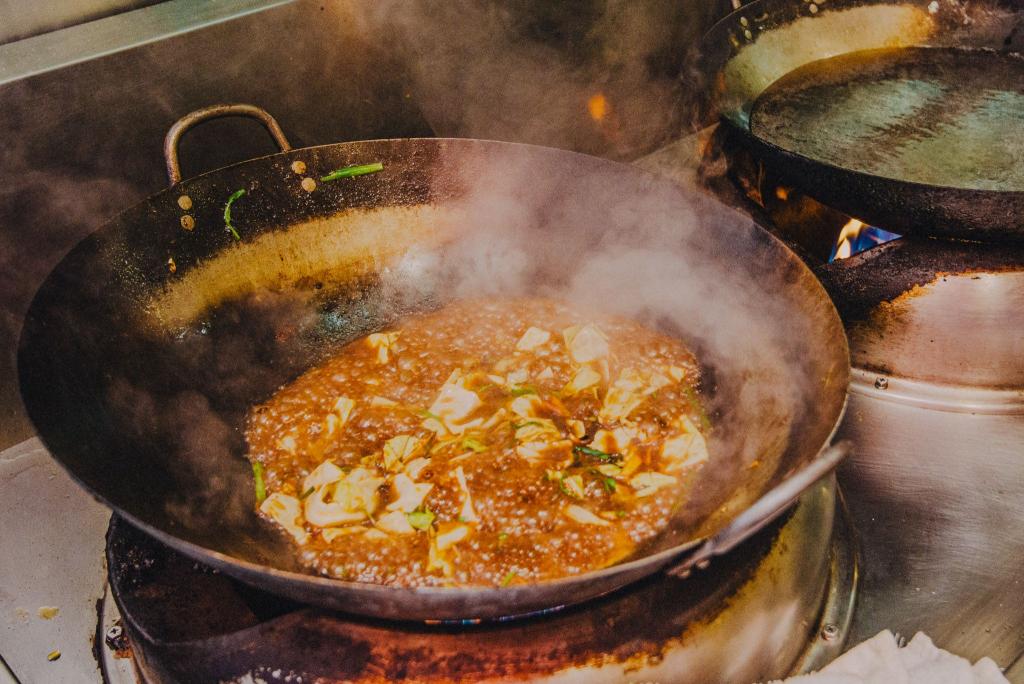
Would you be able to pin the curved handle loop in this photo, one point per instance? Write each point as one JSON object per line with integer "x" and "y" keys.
{"x": 215, "y": 112}
{"x": 763, "y": 511}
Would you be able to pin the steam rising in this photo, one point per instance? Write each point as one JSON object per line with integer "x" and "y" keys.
{"x": 641, "y": 249}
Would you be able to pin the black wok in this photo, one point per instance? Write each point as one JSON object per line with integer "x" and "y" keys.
{"x": 146, "y": 346}
{"x": 898, "y": 136}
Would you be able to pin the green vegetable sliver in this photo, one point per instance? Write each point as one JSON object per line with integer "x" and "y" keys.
{"x": 609, "y": 483}
{"x": 261, "y": 487}
{"x": 354, "y": 170}
{"x": 420, "y": 520}
{"x": 474, "y": 444}
{"x": 423, "y": 413}
{"x": 602, "y": 455}
{"x": 227, "y": 212}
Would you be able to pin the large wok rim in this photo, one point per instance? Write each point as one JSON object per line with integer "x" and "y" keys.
{"x": 543, "y": 149}
{"x": 866, "y": 178}
{"x": 738, "y": 116}
{"x": 243, "y": 569}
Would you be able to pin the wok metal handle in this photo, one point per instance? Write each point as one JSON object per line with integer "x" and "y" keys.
{"x": 763, "y": 511}
{"x": 215, "y": 112}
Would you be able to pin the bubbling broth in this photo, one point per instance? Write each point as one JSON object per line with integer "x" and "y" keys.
{"x": 491, "y": 442}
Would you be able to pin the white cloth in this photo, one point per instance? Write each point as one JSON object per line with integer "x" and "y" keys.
{"x": 880, "y": 660}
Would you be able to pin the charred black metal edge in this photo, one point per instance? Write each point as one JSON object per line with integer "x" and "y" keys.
{"x": 859, "y": 284}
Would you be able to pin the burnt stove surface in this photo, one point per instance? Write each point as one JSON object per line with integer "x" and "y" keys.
{"x": 188, "y": 623}
{"x": 860, "y": 284}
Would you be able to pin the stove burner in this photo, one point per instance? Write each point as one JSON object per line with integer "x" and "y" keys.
{"x": 817, "y": 232}
{"x": 856, "y": 237}
{"x": 780, "y": 603}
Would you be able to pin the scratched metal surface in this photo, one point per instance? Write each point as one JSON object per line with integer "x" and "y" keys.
{"x": 51, "y": 536}
{"x": 929, "y": 115}
{"x": 936, "y": 483}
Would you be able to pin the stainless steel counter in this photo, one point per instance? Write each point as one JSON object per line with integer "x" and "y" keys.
{"x": 52, "y": 537}
{"x": 942, "y": 539}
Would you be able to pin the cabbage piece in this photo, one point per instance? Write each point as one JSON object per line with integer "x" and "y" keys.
{"x": 532, "y": 338}
{"x": 582, "y": 515}
{"x": 286, "y": 511}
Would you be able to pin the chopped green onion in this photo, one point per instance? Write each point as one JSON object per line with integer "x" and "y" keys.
{"x": 502, "y": 536}
{"x": 421, "y": 520}
{"x": 609, "y": 483}
{"x": 306, "y": 493}
{"x": 424, "y": 413}
{"x": 353, "y": 170}
{"x": 474, "y": 444}
{"x": 227, "y": 213}
{"x": 516, "y": 426}
{"x": 520, "y": 390}
{"x": 570, "y": 492}
{"x": 604, "y": 456}
{"x": 261, "y": 488}
{"x": 620, "y": 514}
{"x": 507, "y": 579}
